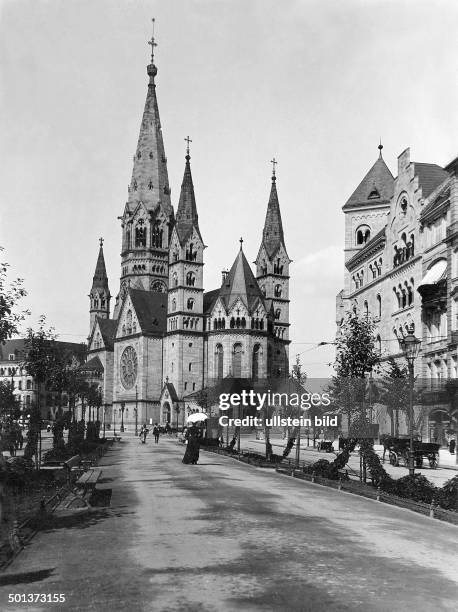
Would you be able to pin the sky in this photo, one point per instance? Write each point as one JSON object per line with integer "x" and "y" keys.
{"x": 314, "y": 84}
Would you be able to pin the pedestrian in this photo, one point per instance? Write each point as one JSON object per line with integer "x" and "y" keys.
{"x": 156, "y": 433}
{"x": 143, "y": 433}
{"x": 452, "y": 447}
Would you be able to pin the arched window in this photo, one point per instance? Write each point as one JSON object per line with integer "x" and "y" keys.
{"x": 277, "y": 313}
{"x": 29, "y": 385}
{"x": 232, "y": 322}
{"x": 256, "y": 360}
{"x": 215, "y": 324}
{"x": 409, "y": 296}
{"x": 363, "y": 234}
{"x": 237, "y": 360}
{"x": 140, "y": 234}
{"x": 243, "y": 322}
{"x": 379, "y": 306}
{"x": 219, "y": 356}
{"x": 366, "y": 308}
{"x": 263, "y": 290}
{"x": 190, "y": 304}
{"x": 134, "y": 327}
{"x": 156, "y": 235}
{"x": 175, "y": 279}
{"x": 174, "y": 305}
{"x": 190, "y": 279}
{"x": 129, "y": 322}
{"x": 158, "y": 287}
{"x": 277, "y": 291}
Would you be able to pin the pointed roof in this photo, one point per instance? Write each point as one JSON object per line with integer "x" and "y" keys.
{"x": 377, "y": 187}
{"x": 151, "y": 310}
{"x": 100, "y": 278}
{"x": 240, "y": 283}
{"x": 108, "y": 331}
{"x": 150, "y": 181}
{"x": 272, "y": 235}
{"x": 430, "y": 176}
{"x": 187, "y": 217}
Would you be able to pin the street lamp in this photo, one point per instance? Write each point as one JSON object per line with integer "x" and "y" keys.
{"x": 410, "y": 346}
{"x": 123, "y": 405}
{"x": 136, "y": 411}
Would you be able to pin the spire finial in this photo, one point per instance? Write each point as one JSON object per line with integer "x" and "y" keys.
{"x": 152, "y": 42}
{"x": 241, "y": 243}
{"x": 187, "y": 140}
{"x": 274, "y": 162}
{"x": 101, "y": 242}
{"x": 380, "y": 147}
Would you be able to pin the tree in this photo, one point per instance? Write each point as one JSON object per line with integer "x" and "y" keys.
{"x": 10, "y": 294}
{"x": 40, "y": 361}
{"x": 356, "y": 356}
{"x": 395, "y": 392}
{"x": 10, "y": 406}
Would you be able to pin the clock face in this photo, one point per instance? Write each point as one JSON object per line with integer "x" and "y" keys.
{"x": 128, "y": 367}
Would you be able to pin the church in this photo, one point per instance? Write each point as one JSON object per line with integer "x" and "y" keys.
{"x": 166, "y": 337}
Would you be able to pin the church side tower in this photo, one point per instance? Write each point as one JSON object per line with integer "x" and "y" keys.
{"x": 184, "y": 352}
{"x": 272, "y": 263}
{"x": 148, "y": 213}
{"x": 100, "y": 293}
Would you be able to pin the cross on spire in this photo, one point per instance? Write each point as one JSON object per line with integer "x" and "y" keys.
{"x": 101, "y": 242}
{"x": 241, "y": 243}
{"x": 152, "y": 42}
{"x": 274, "y": 162}
{"x": 187, "y": 140}
{"x": 380, "y": 147}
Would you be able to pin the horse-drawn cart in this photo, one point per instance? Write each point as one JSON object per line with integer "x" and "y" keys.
{"x": 398, "y": 452}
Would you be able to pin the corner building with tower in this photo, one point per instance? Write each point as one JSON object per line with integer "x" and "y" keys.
{"x": 167, "y": 337}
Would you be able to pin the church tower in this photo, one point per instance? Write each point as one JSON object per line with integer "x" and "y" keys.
{"x": 184, "y": 354}
{"x": 148, "y": 213}
{"x": 100, "y": 293}
{"x": 272, "y": 273}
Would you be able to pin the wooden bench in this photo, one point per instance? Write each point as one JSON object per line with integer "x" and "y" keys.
{"x": 89, "y": 479}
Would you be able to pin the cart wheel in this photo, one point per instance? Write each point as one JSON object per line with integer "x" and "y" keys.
{"x": 419, "y": 462}
{"x": 394, "y": 459}
{"x": 433, "y": 463}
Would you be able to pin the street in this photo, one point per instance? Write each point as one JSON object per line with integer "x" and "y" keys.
{"x": 223, "y": 536}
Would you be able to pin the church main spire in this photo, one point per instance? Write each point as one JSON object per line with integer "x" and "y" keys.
{"x": 150, "y": 181}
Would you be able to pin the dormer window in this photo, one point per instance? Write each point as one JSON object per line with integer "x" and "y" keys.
{"x": 374, "y": 194}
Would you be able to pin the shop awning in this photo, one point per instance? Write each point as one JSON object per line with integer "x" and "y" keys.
{"x": 436, "y": 273}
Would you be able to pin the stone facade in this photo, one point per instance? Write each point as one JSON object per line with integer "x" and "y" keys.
{"x": 401, "y": 268}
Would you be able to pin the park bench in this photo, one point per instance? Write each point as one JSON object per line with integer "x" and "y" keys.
{"x": 87, "y": 482}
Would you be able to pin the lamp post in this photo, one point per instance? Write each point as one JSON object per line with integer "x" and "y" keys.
{"x": 410, "y": 346}
{"x": 136, "y": 410}
{"x": 114, "y": 421}
{"x": 123, "y": 405}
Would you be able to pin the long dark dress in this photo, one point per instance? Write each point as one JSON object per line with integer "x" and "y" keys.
{"x": 192, "y": 448}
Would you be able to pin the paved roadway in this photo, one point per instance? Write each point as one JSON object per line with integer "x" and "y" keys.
{"x": 225, "y": 537}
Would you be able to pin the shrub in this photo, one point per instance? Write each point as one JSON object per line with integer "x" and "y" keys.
{"x": 447, "y": 497}
{"x": 415, "y": 487}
